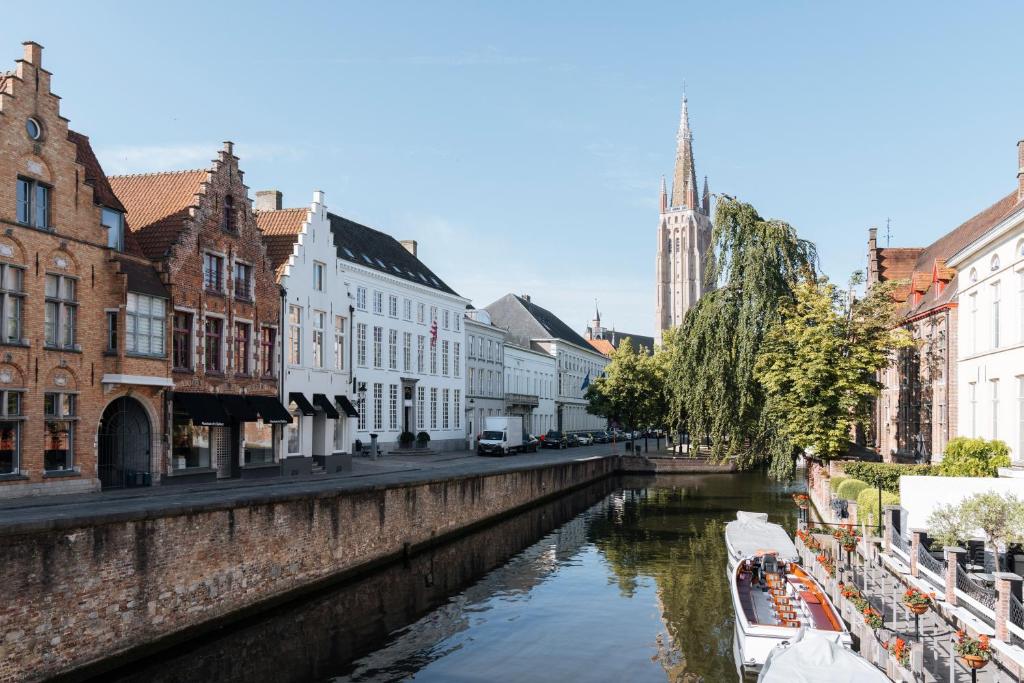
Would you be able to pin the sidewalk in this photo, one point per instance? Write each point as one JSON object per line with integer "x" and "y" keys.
{"x": 19, "y": 515}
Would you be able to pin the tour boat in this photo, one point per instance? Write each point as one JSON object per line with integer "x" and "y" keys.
{"x": 751, "y": 532}
{"x": 775, "y": 600}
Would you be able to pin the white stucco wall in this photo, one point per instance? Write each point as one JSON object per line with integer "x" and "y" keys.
{"x": 533, "y": 373}
{"x": 920, "y": 496}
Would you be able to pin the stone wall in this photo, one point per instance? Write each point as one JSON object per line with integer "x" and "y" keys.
{"x": 91, "y": 589}
{"x": 672, "y": 465}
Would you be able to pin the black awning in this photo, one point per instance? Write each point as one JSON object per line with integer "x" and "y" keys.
{"x": 347, "y": 406}
{"x": 239, "y": 407}
{"x": 270, "y": 409}
{"x": 204, "y": 409}
{"x": 304, "y": 405}
{"x": 322, "y": 402}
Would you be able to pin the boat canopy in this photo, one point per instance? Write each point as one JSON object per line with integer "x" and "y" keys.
{"x": 813, "y": 658}
{"x": 752, "y": 534}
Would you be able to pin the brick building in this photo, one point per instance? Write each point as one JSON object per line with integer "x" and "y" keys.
{"x": 223, "y": 412}
{"x": 916, "y": 413}
{"x": 75, "y": 407}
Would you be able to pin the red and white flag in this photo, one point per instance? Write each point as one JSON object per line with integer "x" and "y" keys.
{"x": 433, "y": 333}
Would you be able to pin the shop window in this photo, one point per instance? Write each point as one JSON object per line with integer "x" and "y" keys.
{"x": 259, "y": 443}
{"x": 10, "y": 432}
{"x": 190, "y": 443}
{"x": 60, "y": 412}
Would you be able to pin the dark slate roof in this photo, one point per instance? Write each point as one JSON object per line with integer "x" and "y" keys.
{"x": 143, "y": 278}
{"x": 526, "y": 320}
{"x": 374, "y": 249}
{"x": 637, "y": 341}
{"x": 94, "y": 176}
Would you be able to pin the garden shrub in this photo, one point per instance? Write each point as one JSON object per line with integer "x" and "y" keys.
{"x": 851, "y": 488}
{"x": 889, "y": 472}
{"x": 966, "y": 457}
{"x": 835, "y": 481}
{"x": 867, "y": 504}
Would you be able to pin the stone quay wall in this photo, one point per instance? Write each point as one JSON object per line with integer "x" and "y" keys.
{"x": 89, "y": 590}
{"x": 667, "y": 464}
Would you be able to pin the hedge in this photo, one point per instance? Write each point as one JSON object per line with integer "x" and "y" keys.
{"x": 851, "y": 488}
{"x": 867, "y": 504}
{"x": 835, "y": 481}
{"x": 889, "y": 472}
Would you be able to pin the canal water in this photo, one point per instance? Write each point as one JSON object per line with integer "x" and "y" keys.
{"x": 623, "y": 580}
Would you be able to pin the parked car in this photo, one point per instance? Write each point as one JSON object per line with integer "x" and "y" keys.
{"x": 530, "y": 443}
{"x": 600, "y": 437}
{"x": 584, "y": 438}
{"x": 571, "y": 440}
{"x": 554, "y": 439}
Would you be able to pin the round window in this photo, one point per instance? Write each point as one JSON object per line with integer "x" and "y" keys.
{"x": 34, "y": 130}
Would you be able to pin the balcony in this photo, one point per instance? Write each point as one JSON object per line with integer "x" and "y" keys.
{"x": 521, "y": 400}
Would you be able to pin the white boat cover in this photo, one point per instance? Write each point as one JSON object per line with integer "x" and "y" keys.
{"x": 813, "y": 659}
{"x": 751, "y": 534}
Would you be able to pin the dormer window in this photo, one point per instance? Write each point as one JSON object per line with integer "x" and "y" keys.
{"x": 228, "y": 221}
{"x": 113, "y": 222}
{"x": 34, "y": 129}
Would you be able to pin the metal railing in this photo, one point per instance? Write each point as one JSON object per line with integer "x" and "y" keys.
{"x": 937, "y": 567}
{"x": 1016, "y": 620}
{"x": 980, "y": 594}
{"x": 901, "y": 544}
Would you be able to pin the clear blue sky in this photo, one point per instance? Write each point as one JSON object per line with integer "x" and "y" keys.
{"x": 522, "y": 143}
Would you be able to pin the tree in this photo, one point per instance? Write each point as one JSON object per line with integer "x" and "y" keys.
{"x": 819, "y": 365}
{"x": 629, "y": 391}
{"x": 966, "y": 457}
{"x": 1000, "y": 517}
{"x": 755, "y": 263}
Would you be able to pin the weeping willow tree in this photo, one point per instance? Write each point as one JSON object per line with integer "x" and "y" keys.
{"x": 755, "y": 263}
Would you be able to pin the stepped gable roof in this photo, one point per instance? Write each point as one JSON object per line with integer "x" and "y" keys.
{"x": 379, "y": 251}
{"x": 102, "y": 193}
{"x": 157, "y": 206}
{"x": 933, "y": 258}
{"x": 280, "y": 228}
{"x": 526, "y": 321}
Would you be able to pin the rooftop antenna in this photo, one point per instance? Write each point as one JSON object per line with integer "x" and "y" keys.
{"x": 888, "y": 232}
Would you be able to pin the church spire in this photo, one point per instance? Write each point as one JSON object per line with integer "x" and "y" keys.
{"x": 684, "y": 180}
{"x": 706, "y": 198}
{"x": 664, "y": 195}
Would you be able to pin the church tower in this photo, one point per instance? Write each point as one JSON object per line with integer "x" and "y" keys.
{"x": 684, "y": 236}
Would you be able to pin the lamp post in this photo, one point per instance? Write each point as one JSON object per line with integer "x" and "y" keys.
{"x": 878, "y": 483}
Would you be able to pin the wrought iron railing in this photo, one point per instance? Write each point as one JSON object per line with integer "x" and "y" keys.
{"x": 979, "y": 593}
{"x": 938, "y": 567}
{"x": 901, "y": 544}
{"x": 1016, "y": 612}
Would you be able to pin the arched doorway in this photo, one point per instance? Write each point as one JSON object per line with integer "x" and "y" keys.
{"x": 124, "y": 443}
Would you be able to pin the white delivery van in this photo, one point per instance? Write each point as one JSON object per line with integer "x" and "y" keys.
{"x": 501, "y": 436}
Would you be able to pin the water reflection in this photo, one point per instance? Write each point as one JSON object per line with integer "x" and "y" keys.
{"x": 623, "y": 580}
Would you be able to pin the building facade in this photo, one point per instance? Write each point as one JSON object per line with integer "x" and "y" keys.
{"x": 409, "y": 353}
{"x": 684, "y": 237}
{"x": 485, "y": 376}
{"x": 530, "y": 380}
{"x": 316, "y": 377}
{"x": 223, "y": 416}
{"x": 577, "y": 363}
{"x": 80, "y": 408}
{"x": 990, "y": 363}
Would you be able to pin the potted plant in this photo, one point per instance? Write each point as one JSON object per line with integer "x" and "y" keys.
{"x": 847, "y": 539}
{"x": 801, "y": 500}
{"x": 405, "y": 439}
{"x": 826, "y": 563}
{"x": 872, "y": 617}
{"x": 899, "y": 651}
{"x": 917, "y": 601}
{"x": 975, "y": 652}
{"x": 422, "y": 440}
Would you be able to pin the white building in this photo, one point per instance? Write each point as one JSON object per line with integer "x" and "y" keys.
{"x": 990, "y": 334}
{"x": 530, "y": 381}
{"x": 316, "y": 373}
{"x": 485, "y": 392}
{"x": 577, "y": 363}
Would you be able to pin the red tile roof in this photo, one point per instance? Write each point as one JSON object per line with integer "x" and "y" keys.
{"x": 602, "y": 346}
{"x": 158, "y": 205}
{"x": 280, "y": 230}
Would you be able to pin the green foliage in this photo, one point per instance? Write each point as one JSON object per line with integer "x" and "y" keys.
{"x": 966, "y": 457}
{"x": 755, "y": 263}
{"x": 819, "y": 366}
{"x": 835, "y": 481}
{"x": 406, "y": 438}
{"x": 423, "y": 438}
{"x": 867, "y": 504}
{"x": 851, "y": 488}
{"x": 631, "y": 391}
{"x": 889, "y": 473}
{"x": 999, "y": 516}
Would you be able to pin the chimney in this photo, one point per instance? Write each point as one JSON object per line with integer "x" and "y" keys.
{"x": 526, "y": 298}
{"x": 229, "y": 147}
{"x": 33, "y": 53}
{"x": 268, "y": 200}
{"x": 410, "y": 246}
{"x": 1020, "y": 170}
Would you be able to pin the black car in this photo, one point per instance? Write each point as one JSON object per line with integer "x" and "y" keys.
{"x": 554, "y": 439}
